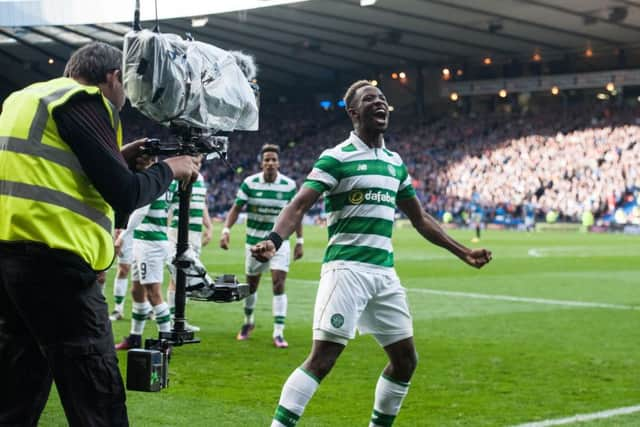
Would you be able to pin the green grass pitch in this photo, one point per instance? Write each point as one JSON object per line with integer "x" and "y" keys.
{"x": 528, "y": 352}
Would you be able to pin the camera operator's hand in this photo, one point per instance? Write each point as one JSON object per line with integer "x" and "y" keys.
{"x": 263, "y": 251}
{"x": 132, "y": 153}
{"x": 184, "y": 168}
{"x": 198, "y": 161}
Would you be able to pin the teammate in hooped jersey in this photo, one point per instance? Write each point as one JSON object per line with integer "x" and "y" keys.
{"x": 265, "y": 194}
{"x": 359, "y": 288}
{"x": 150, "y": 250}
{"x": 199, "y": 236}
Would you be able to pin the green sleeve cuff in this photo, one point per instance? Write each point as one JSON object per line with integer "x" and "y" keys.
{"x": 316, "y": 185}
{"x": 406, "y": 193}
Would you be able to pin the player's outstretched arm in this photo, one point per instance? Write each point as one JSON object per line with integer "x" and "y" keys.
{"x": 432, "y": 231}
{"x": 288, "y": 221}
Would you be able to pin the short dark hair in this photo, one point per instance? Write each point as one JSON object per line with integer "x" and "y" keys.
{"x": 269, "y": 148}
{"x": 351, "y": 92}
{"x": 93, "y": 61}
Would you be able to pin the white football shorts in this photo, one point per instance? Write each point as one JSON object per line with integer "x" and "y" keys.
{"x": 126, "y": 251}
{"x": 195, "y": 241}
{"x": 149, "y": 261}
{"x": 280, "y": 261}
{"x": 370, "y": 300}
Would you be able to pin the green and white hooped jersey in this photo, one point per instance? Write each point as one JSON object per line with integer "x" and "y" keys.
{"x": 196, "y": 211}
{"x": 264, "y": 202}
{"x": 153, "y": 225}
{"x": 361, "y": 187}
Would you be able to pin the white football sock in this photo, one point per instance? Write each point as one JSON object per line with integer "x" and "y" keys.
{"x": 163, "y": 317}
{"x": 119, "y": 293}
{"x": 296, "y": 393}
{"x": 279, "y": 314}
{"x": 139, "y": 316}
{"x": 249, "y": 305}
{"x": 171, "y": 301}
{"x": 388, "y": 399}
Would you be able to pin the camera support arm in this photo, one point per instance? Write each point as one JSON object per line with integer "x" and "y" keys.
{"x": 182, "y": 245}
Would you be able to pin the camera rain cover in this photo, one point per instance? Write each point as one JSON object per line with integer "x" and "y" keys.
{"x": 187, "y": 82}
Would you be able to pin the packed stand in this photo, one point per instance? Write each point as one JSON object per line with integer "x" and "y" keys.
{"x": 506, "y": 166}
{"x": 585, "y": 161}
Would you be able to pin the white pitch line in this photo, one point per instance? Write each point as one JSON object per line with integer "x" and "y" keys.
{"x": 528, "y": 300}
{"x": 584, "y": 417}
{"x": 534, "y": 253}
{"x": 565, "y": 303}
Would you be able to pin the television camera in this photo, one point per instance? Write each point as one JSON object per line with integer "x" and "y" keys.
{"x": 197, "y": 90}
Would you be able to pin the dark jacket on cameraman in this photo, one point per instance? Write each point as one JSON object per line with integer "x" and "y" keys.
{"x": 62, "y": 176}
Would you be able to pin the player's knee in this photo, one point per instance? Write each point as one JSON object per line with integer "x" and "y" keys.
{"x": 403, "y": 361}
{"x": 412, "y": 362}
{"x": 154, "y": 293}
{"x": 320, "y": 364}
{"x": 253, "y": 282}
{"x": 138, "y": 293}
{"x": 278, "y": 288}
{"x": 407, "y": 363}
{"x": 123, "y": 271}
{"x": 253, "y": 288}
{"x": 320, "y": 368}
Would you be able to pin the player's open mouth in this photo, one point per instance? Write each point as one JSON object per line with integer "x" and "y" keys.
{"x": 380, "y": 115}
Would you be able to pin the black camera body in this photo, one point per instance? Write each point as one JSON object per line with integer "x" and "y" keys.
{"x": 189, "y": 142}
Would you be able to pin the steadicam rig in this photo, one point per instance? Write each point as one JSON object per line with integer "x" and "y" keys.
{"x": 199, "y": 285}
{"x": 223, "y": 289}
{"x": 197, "y": 90}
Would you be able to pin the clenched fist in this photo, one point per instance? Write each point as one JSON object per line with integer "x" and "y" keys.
{"x": 477, "y": 257}
{"x": 263, "y": 251}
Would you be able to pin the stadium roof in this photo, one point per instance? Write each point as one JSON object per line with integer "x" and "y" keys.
{"x": 318, "y": 42}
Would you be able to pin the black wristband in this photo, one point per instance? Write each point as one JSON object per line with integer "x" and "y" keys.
{"x": 276, "y": 239}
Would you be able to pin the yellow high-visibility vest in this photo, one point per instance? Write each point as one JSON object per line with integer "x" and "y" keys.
{"x": 45, "y": 196}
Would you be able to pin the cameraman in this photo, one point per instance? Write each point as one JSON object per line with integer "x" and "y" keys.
{"x": 64, "y": 182}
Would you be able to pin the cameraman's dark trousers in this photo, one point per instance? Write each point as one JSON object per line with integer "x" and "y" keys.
{"x": 54, "y": 325}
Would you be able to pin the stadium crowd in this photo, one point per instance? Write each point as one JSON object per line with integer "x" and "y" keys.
{"x": 508, "y": 165}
